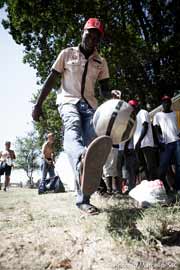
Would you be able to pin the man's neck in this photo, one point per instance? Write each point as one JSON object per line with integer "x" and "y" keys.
{"x": 167, "y": 110}
{"x": 86, "y": 53}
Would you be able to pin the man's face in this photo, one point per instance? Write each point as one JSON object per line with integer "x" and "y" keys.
{"x": 90, "y": 39}
{"x": 51, "y": 138}
{"x": 166, "y": 105}
{"x": 135, "y": 108}
{"x": 7, "y": 145}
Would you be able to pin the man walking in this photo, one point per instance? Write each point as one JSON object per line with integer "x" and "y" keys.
{"x": 7, "y": 156}
{"x": 144, "y": 142}
{"x": 80, "y": 68}
{"x": 168, "y": 135}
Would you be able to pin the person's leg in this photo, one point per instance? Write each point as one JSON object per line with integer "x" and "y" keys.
{"x": 107, "y": 172}
{"x": 98, "y": 147}
{"x": 51, "y": 171}
{"x": 165, "y": 160}
{"x": 131, "y": 168}
{"x": 142, "y": 168}
{"x": 44, "y": 170}
{"x": 120, "y": 162}
{"x": 74, "y": 143}
{"x": 151, "y": 162}
{"x": 102, "y": 189}
{"x": 116, "y": 179}
{"x": 108, "y": 181}
{"x": 6, "y": 182}
{"x": 121, "y": 170}
{"x": 7, "y": 176}
{"x": 116, "y": 184}
{"x": 88, "y": 132}
{"x": 177, "y": 165}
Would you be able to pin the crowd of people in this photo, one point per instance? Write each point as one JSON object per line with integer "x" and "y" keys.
{"x": 150, "y": 154}
{"x": 80, "y": 68}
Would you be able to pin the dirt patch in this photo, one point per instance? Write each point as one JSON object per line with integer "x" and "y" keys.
{"x": 49, "y": 232}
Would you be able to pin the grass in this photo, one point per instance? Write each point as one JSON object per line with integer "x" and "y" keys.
{"x": 49, "y": 232}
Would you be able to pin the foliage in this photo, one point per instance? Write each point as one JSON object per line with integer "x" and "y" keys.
{"x": 141, "y": 41}
{"x": 27, "y": 154}
{"x": 50, "y": 122}
{"x": 2, "y": 2}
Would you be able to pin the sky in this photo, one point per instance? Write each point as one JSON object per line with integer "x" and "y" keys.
{"x": 17, "y": 85}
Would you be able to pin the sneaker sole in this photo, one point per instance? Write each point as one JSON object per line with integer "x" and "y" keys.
{"x": 94, "y": 160}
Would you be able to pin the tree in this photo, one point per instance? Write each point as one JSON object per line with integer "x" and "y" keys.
{"x": 141, "y": 41}
{"x": 27, "y": 154}
{"x": 50, "y": 122}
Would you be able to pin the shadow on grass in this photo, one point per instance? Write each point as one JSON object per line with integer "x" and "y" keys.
{"x": 171, "y": 239}
{"x": 122, "y": 222}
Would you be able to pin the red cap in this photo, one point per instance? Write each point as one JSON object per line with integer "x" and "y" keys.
{"x": 166, "y": 98}
{"x": 133, "y": 102}
{"x": 94, "y": 23}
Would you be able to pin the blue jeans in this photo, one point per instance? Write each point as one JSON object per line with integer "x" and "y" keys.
{"x": 47, "y": 168}
{"x": 171, "y": 150}
{"x": 78, "y": 133}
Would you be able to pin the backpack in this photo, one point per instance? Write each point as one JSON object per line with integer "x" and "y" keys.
{"x": 51, "y": 184}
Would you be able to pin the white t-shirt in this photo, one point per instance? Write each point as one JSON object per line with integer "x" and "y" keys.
{"x": 168, "y": 125}
{"x": 141, "y": 117}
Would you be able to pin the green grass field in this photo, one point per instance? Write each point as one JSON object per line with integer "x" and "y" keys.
{"x": 49, "y": 232}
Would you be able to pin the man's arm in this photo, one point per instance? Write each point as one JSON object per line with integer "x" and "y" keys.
{"x": 44, "y": 150}
{"x": 143, "y": 133}
{"x": 47, "y": 87}
{"x": 157, "y": 133}
{"x": 13, "y": 155}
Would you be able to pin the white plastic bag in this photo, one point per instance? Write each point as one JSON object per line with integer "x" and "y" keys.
{"x": 65, "y": 171}
{"x": 149, "y": 192}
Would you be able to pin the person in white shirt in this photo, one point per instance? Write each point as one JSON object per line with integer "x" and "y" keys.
{"x": 143, "y": 141}
{"x": 166, "y": 128}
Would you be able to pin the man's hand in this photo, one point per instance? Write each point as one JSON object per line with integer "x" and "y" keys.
{"x": 116, "y": 94}
{"x": 50, "y": 162}
{"x": 138, "y": 145}
{"x": 37, "y": 112}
